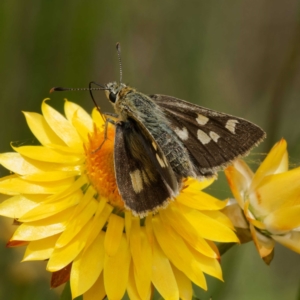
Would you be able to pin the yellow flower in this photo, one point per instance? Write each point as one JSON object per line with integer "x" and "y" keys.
{"x": 267, "y": 202}
{"x": 64, "y": 195}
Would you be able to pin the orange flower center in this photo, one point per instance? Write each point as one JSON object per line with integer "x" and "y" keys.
{"x": 100, "y": 165}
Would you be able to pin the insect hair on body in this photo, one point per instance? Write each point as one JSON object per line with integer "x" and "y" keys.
{"x": 161, "y": 140}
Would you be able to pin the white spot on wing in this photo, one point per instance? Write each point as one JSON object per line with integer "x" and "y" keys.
{"x": 231, "y": 124}
{"x": 214, "y": 136}
{"x": 154, "y": 145}
{"x": 203, "y": 137}
{"x": 182, "y": 133}
{"x": 160, "y": 161}
{"x": 202, "y": 120}
{"x": 136, "y": 180}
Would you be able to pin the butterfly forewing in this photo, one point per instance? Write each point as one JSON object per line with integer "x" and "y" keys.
{"x": 213, "y": 139}
{"x": 144, "y": 181}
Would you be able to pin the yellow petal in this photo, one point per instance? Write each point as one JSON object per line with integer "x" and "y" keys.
{"x": 16, "y": 206}
{"x": 98, "y": 118}
{"x": 61, "y": 257}
{"x": 162, "y": 275}
{"x": 72, "y": 188}
{"x": 21, "y": 165}
{"x": 263, "y": 244}
{"x": 113, "y": 234}
{"x": 184, "y": 229}
{"x": 283, "y": 220}
{"x": 235, "y": 214}
{"x": 208, "y": 265}
{"x": 80, "y": 119}
{"x": 132, "y": 289}
{"x": 42, "y": 131}
{"x": 290, "y": 240}
{"x": 274, "y": 190}
{"x": 40, "y": 249}
{"x": 72, "y": 109}
{"x": 50, "y": 176}
{"x": 275, "y": 161}
{"x": 220, "y": 218}
{"x": 142, "y": 258}
{"x": 32, "y": 231}
{"x": 83, "y": 211}
{"x": 239, "y": 178}
{"x": 116, "y": 271}
{"x": 75, "y": 225}
{"x": 13, "y": 185}
{"x": 177, "y": 252}
{"x": 199, "y": 200}
{"x": 17, "y": 164}
{"x": 97, "y": 291}
{"x": 184, "y": 285}
{"x": 61, "y": 126}
{"x": 47, "y": 155}
{"x": 46, "y": 209}
{"x": 196, "y": 185}
{"x": 101, "y": 216}
{"x": 87, "y": 266}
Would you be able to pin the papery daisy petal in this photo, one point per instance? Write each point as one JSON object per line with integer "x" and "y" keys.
{"x": 17, "y": 164}
{"x": 202, "y": 201}
{"x": 116, "y": 270}
{"x": 162, "y": 274}
{"x": 31, "y": 231}
{"x": 274, "y": 188}
{"x": 114, "y": 234}
{"x": 179, "y": 254}
{"x": 13, "y": 185}
{"x": 239, "y": 178}
{"x": 47, "y": 155}
{"x": 41, "y": 130}
{"x": 132, "y": 288}
{"x": 290, "y": 240}
{"x": 62, "y": 256}
{"x": 79, "y": 118}
{"x": 87, "y": 266}
{"x": 283, "y": 220}
{"x": 188, "y": 232}
{"x": 97, "y": 291}
{"x": 61, "y": 126}
{"x": 264, "y": 245}
{"x": 184, "y": 284}
{"x": 142, "y": 258}
{"x": 275, "y": 161}
{"x": 97, "y": 118}
{"x": 40, "y": 249}
{"x": 16, "y": 206}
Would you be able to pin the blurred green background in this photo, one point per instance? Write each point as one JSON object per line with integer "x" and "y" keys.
{"x": 236, "y": 56}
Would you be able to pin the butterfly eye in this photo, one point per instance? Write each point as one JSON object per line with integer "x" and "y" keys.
{"x": 112, "y": 97}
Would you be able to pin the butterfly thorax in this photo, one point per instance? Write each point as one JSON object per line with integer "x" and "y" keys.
{"x": 132, "y": 106}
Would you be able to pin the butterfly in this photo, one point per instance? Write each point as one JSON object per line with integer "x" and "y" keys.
{"x": 161, "y": 140}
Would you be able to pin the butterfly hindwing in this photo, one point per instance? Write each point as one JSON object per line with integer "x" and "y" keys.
{"x": 213, "y": 139}
{"x": 144, "y": 180}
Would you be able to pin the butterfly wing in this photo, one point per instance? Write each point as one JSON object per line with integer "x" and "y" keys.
{"x": 213, "y": 139}
{"x": 144, "y": 178}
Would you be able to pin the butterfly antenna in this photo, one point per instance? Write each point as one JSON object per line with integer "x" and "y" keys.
{"x": 90, "y": 89}
{"x": 118, "y": 46}
{"x": 63, "y": 89}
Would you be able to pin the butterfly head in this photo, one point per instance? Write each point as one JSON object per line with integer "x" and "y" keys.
{"x": 113, "y": 90}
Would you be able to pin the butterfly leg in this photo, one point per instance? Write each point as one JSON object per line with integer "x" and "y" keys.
{"x": 107, "y": 120}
